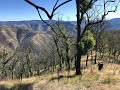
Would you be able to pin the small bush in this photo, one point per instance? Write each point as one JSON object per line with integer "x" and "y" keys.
{"x": 86, "y": 84}
{"x": 107, "y": 80}
{"x": 95, "y": 76}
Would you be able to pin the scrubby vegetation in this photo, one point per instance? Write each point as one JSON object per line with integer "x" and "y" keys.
{"x": 91, "y": 80}
{"x": 66, "y": 60}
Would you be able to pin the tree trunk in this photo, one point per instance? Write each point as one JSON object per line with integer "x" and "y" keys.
{"x": 78, "y": 65}
{"x": 114, "y": 54}
{"x": 68, "y": 63}
{"x": 91, "y": 57}
{"x": 87, "y": 60}
{"x": 60, "y": 64}
{"x": 95, "y": 61}
{"x": 67, "y": 57}
{"x": 109, "y": 55}
{"x": 78, "y": 60}
{"x": 12, "y": 73}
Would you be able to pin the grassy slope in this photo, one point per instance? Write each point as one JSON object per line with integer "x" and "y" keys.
{"x": 107, "y": 79}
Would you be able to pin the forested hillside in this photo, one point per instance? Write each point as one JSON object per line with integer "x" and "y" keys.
{"x": 53, "y": 54}
{"x": 34, "y": 44}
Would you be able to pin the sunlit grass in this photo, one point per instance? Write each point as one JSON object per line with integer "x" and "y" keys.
{"x": 11, "y": 83}
{"x": 110, "y": 75}
{"x": 92, "y": 77}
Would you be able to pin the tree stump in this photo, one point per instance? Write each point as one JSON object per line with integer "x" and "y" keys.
{"x": 100, "y": 66}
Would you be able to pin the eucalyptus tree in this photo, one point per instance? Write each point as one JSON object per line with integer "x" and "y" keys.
{"x": 87, "y": 43}
{"x": 66, "y": 45}
{"x": 100, "y": 32}
{"x": 94, "y": 12}
{"x": 114, "y": 44}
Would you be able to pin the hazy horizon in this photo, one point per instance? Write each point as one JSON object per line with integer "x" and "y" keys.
{"x": 45, "y": 20}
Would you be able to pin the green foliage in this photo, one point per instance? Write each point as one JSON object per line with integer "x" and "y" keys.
{"x": 84, "y": 18}
{"x": 85, "y": 5}
{"x": 87, "y": 43}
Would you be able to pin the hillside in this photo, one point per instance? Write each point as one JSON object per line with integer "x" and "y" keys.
{"x": 16, "y": 34}
{"x": 20, "y": 35}
{"x": 92, "y": 79}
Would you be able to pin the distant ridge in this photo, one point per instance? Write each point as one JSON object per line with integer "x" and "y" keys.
{"x": 19, "y": 34}
{"x": 114, "y": 23}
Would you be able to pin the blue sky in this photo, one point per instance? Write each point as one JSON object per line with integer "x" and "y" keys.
{"x": 17, "y": 10}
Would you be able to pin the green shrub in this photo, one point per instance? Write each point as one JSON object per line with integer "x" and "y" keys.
{"x": 107, "y": 80}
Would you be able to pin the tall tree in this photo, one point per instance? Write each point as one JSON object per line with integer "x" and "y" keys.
{"x": 93, "y": 14}
{"x": 87, "y": 9}
{"x": 99, "y": 31}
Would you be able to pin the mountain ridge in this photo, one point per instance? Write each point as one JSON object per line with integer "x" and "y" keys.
{"x": 16, "y": 33}
{"x": 114, "y": 23}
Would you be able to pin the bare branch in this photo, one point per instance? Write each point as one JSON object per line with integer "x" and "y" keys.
{"x": 38, "y": 7}
{"x": 50, "y": 16}
{"x": 102, "y": 16}
{"x": 56, "y": 4}
{"x": 46, "y": 22}
{"x": 55, "y": 8}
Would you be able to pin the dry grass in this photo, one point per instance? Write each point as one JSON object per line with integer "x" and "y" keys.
{"x": 11, "y": 83}
{"x": 92, "y": 79}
